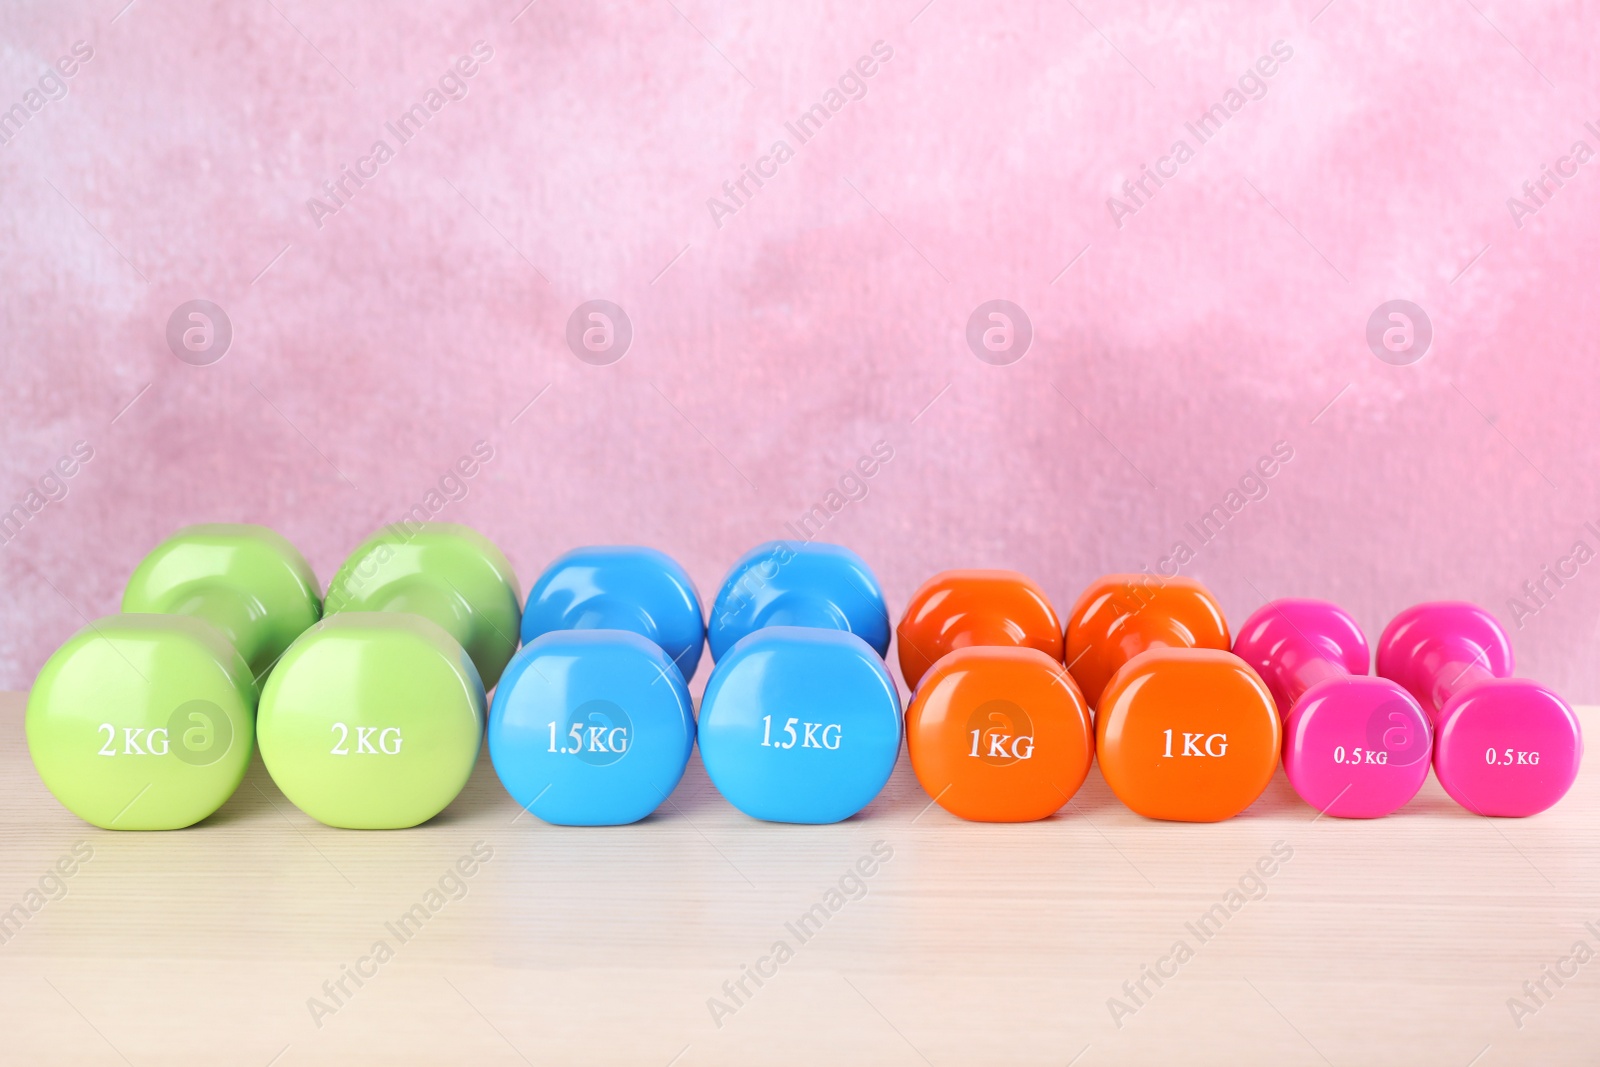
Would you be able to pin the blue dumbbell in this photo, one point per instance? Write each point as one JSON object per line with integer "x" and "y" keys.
{"x": 592, "y": 723}
{"x": 800, "y": 722}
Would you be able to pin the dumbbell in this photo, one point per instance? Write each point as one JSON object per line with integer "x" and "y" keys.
{"x": 1184, "y": 729}
{"x": 997, "y": 729}
{"x": 374, "y": 718}
{"x": 592, "y": 723}
{"x": 1502, "y": 745}
{"x": 1354, "y": 746}
{"x": 146, "y": 720}
{"x": 800, "y": 721}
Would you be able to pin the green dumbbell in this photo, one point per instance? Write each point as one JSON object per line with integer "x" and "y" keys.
{"x": 374, "y": 717}
{"x": 146, "y": 720}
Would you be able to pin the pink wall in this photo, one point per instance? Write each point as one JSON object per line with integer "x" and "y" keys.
{"x": 777, "y": 343}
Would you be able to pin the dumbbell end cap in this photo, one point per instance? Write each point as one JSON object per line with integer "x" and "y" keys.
{"x": 411, "y": 706}
{"x": 1337, "y": 734}
{"x": 1509, "y": 747}
{"x": 591, "y": 727}
{"x": 754, "y": 736}
{"x": 999, "y": 734}
{"x": 143, "y": 722}
{"x": 1209, "y": 695}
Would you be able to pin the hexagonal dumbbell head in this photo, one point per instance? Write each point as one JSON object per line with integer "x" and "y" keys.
{"x": 997, "y": 729}
{"x": 592, "y": 723}
{"x": 1355, "y": 746}
{"x": 1502, "y": 745}
{"x": 800, "y": 721}
{"x": 374, "y": 718}
{"x": 1184, "y": 729}
{"x": 146, "y": 720}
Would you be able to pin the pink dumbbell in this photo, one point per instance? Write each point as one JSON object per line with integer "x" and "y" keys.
{"x": 1353, "y": 745}
{"x": 1502, "y": 745}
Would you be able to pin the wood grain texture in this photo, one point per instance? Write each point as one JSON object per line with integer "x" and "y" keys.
{"x": 1394, "y": 941}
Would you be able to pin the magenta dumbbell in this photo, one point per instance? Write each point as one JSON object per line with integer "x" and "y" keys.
{"x": 1353, "y": 745}
{"x": 1502, "y": 745}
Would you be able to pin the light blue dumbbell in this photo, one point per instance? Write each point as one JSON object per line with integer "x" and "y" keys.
{"x": 592, "y": 724}
{"x": 801, "y": 721}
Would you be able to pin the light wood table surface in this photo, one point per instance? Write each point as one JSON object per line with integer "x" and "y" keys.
{"x": 1394, "y": 941}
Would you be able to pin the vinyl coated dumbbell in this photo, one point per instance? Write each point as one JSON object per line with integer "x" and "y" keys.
{"x": 1354, "y": 746}
{"x": 592, "y": 723}
{"x": 146, "y": 720}
{"x": 800, "y": 721}
{"x": 997, "y": 729}
{"x": 1502, "y": 745}
{"x": 1184, "y": 729}
{"x": 374, "y": 718}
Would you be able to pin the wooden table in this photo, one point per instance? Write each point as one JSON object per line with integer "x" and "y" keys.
{"x": 928, "y": 939}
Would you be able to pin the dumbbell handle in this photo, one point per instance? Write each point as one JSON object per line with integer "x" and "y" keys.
{"x": 614, "y": 613}
{"x": 444, "y": 606}
{"x": 1296, "y": 671}
{"x": 1451, "y": 675}
{"x": 238, "y": 617}
{"x": 1155, "y": 634}
{"x": 814, "y": 612}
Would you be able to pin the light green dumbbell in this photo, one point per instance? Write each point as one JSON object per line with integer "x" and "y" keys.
{"x": 146, "y": 720}
{"x": 374, "y": 718}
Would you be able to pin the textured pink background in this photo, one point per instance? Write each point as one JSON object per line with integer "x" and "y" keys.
{"x": 830, "y": 311}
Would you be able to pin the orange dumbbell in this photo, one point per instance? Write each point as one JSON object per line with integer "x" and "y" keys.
{"x": 1185, "y": 729}
{"x": 997, "y": 729}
